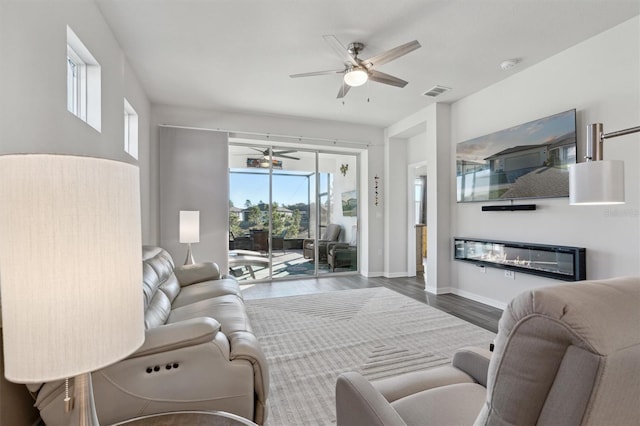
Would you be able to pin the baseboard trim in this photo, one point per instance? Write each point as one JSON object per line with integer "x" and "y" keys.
{"x": 437, "y": 290}
{"x": 477, "y": 298}
{"x": 396, "y": 275}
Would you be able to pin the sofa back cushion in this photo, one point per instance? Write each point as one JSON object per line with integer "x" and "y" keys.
{"x": 160, "y": 285}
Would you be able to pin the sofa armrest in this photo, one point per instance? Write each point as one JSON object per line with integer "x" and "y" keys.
{"x": 245, "y": 346}
{"x": 474, "y": 362}
{"x": 197, "y": 272}
{"x": 177, "y": 335}
{"x": 358, "y": 403}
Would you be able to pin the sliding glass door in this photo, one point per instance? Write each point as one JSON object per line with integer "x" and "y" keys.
{"x": 292, "y": 213}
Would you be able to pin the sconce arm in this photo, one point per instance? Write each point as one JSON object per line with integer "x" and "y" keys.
{"x": 596, "y": 137}
{"x": 621, "y": 132}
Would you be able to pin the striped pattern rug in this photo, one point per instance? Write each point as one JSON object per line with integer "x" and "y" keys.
{"x": 309, "y": 340}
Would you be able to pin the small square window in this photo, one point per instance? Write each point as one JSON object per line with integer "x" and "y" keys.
{"x": 130, "y": 130}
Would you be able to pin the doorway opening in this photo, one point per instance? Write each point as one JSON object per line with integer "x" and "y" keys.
{"x": 417, "y": 220}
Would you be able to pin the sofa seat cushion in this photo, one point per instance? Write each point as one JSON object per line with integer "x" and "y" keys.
{"x": 228, "y": 310}
{"x": 457, "y": 404}
{"x": 206, "y": 290}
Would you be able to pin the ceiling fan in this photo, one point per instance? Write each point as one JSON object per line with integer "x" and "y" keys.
{"x": 282, "y": 154}
{"x": 357, "y": 71}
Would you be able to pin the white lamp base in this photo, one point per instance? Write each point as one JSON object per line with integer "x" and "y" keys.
{"x": 189, "y": 259}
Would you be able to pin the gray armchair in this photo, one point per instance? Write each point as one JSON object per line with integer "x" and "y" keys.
{"x": 564, "y": 355}
{"x": 331, "y": 234}
{"x": 342, "y": 255}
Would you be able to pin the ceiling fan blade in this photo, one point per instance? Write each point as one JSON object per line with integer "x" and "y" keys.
{"x": 343, "y": 90}
{"x": 279, "y": 153}
{"x": 340, "y": 50}
{"x": 288, "y": 156}
{"x": 381, "y": 77}
{"x": 392, "y": 54}
{"x": 311, "y": 74}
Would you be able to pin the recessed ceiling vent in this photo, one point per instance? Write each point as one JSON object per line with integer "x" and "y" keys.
{"x": 436, "y": 91}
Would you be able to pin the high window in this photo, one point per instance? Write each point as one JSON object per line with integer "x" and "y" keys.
{"x": 83, "y": 82}
{"x": 130, "y": 130}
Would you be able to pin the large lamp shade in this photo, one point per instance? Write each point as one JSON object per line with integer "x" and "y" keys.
{"x": 70, "y": 265}
{"x": 596, "y": 182}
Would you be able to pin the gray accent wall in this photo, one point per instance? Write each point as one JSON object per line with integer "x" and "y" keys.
{"x": 193, "y": 175}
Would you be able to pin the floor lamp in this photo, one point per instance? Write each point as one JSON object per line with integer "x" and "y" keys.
{"x": 70, "y": 270}
{"x": 598, "y": 181}
{"x": 189, "y": 231}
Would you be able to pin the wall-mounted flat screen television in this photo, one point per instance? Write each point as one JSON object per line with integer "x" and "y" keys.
{"x": 526, "y": 161}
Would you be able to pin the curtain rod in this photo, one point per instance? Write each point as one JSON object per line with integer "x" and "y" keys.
{"x": 268, "y": 136}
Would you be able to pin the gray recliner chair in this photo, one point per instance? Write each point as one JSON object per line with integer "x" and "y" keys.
{"x": 564, "y": 355}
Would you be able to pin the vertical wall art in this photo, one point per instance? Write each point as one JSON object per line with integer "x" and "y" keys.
{"x": 376, "y": 181}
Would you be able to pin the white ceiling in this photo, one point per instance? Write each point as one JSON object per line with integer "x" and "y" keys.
{"x": 238, "y": 54}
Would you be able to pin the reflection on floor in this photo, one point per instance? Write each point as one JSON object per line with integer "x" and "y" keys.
{"x": 284, "y": 264}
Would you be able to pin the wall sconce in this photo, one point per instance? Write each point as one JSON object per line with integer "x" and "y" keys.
{"x": 344, "y": 169}
{"x": 598, "y": 181}
{"x": 189, "y": 231}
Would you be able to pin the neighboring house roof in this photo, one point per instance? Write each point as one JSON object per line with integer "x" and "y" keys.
{"x": 516, "y": 149}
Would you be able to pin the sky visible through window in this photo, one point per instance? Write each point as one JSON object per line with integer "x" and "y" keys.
{"x": 287, "y": 189}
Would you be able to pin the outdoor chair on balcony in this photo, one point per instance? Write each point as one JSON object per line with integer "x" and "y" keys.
{"x": 278, "y": 241}
{"x": 331, "y": 234}
{"x": 342, "y": 255}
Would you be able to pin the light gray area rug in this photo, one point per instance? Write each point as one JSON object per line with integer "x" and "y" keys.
{"x": 309, "y": 340}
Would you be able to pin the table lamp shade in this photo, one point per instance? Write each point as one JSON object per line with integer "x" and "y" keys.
{"x": 70, "y": 265}
{"x": 189, "y": 226}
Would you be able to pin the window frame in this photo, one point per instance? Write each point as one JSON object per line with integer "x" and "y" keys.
{"x": 130, "y": 130}
{"x": 84, "y": 97}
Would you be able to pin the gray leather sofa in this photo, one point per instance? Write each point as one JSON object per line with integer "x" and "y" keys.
{"x": 199, "y": 351}
{"x": 564, "y": 355}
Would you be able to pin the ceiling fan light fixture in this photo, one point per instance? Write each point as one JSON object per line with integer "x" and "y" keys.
{"x": 356, "y": 77}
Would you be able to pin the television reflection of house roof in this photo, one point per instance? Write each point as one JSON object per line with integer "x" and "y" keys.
{"x": 568, "y": 139}
{"x": 520, "y": 148}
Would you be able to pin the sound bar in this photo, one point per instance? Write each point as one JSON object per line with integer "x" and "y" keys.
{"x": 509, "y": 208}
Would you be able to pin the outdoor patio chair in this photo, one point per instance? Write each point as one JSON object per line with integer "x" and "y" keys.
{"x": 331, "y": 234}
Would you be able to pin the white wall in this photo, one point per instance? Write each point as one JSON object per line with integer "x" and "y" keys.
{"x": 601, "y": 79}
{"x": 194, "y": 176}
{"x": 427, "y": 130}
{"x": 33, "y": 108}
{"x": 341, "y": 184}
{"x": 394, "y": 185}
{"x": 371, "y": 242}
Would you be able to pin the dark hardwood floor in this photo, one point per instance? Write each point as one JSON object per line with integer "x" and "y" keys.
{"x": 482, "y": 315}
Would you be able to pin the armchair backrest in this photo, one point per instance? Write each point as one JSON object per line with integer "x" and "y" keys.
{"x": 332, "y": 233}
{"x": 567, "y": 354}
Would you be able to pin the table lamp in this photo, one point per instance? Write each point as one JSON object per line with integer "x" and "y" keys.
{"x": 189, "y": 231}
{"x": 70, "y": 270}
